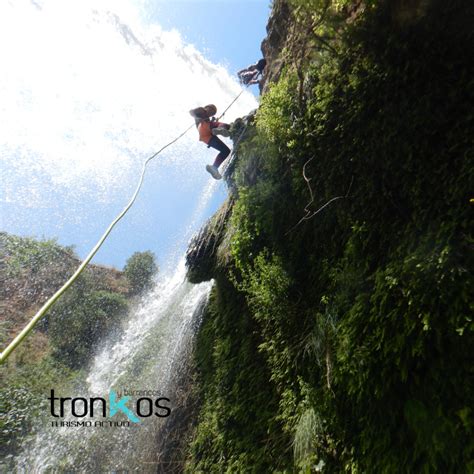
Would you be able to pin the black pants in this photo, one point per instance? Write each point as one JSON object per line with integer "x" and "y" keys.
{"x": 220, "y": 146}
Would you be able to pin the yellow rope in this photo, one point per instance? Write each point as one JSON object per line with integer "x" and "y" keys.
{"x": 27, "y": 329}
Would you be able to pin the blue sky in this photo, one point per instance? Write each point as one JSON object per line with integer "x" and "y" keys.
{"x": 75, "y": 133}
{"x": 226, "y": 31}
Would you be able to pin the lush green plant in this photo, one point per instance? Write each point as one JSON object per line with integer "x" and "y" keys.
{"x": 306, "y": 440}
{"x": 21, "y": 253}
{"x": 276, "y": 113}
{"x": 80, "y": 320}
{"x": 359, "y": 315}
{"x": 139, "y": 270}
{"x": 23, "y": 399}
{"x": 238, "y": 403}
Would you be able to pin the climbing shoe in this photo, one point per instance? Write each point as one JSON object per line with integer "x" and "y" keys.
{"x": 213, "y": 171}
{"x": 224, "y": 132}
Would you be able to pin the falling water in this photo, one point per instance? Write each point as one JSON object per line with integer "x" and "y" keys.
{"x": 89, "y": 90}
{"x": 102, "y": 77}
{"x": 144, "y": 358}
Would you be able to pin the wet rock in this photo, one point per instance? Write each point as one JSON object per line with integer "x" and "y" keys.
{"x": 202, "y": 255}
{"x": 272, "y": 46}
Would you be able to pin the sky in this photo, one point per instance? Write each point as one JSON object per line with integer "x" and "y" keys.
{"x": 228, "y": 32}
{"x": 89, "y": 90}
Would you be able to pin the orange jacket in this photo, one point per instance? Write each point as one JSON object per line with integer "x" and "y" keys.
{"x": 204, "y": 129}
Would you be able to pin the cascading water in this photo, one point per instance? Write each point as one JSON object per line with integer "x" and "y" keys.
{"x": 103, "y": 76}
{"x": 144, "y": 359}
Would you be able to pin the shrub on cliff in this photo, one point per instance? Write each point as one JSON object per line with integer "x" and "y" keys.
{"x": 139, "y": 270}
{"x": 361, "y": 303}
{"x": 80, "y": 320}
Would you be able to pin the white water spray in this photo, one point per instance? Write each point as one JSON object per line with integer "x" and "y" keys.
{"x": 88, "y": 92}
{"x": 144, "y": 358}
{"x": 95, "y": 92}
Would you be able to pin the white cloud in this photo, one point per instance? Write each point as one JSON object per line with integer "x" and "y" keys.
{"x": 89, "y": 91}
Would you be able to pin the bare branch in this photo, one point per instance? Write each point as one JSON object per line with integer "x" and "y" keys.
{"x": 310, "y": 214}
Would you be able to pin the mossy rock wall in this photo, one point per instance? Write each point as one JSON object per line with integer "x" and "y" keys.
{"x": 339, "y": 335}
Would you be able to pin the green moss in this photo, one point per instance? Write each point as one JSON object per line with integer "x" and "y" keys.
{"x": 351, "y": 326}
{"x": 238, "y": 403}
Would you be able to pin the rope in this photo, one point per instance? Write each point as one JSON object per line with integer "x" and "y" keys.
{"x": 230, "y": 105}
{"x": 27, "y": 329}
{"x": 41, "y": 312}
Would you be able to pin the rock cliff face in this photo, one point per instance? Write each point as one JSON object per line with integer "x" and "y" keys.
{"x": 208, "y": 250}
{"x": 204, "y": 250}
{"x": 338, "y": 335}
{"x": 272, "y": 46}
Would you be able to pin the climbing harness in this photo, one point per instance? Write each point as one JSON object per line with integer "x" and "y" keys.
{"x": 46, "y": 306}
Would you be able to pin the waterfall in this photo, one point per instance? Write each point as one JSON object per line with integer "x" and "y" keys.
{"x": 144, "y": 359}
{"x": 93, "y": 89}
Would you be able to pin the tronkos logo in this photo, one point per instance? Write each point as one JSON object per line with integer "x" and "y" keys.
{"x": 80, "y": 407}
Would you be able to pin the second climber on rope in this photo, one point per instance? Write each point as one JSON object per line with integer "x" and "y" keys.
{"x": 252, "y": 74}
{"x": 208, "y": 128}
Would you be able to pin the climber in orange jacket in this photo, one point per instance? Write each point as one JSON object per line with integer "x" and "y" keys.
{"x": 208, "y": 128}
